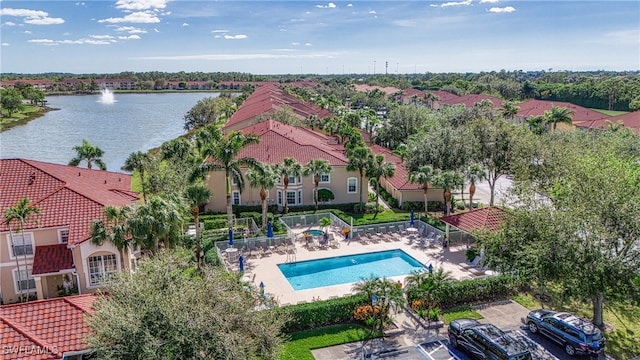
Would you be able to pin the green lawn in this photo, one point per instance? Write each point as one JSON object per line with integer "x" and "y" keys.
{"x": 29, "y": 113}
{"x": 460, "y": 312}
{"x": 301, "y": 343}
{"x": 610, "y": 112}
{"x": 622, "y": 319}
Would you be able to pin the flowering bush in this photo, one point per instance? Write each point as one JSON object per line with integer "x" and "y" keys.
{"x": 365, "y": 312}
{"x": 417, "y": 305}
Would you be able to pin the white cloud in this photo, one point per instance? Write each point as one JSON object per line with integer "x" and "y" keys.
{"x": 5, "y": 44}
{"x": 185, "y": 24}
{"x": 328, "y": 6}
{"x": 27, "y": 32}
{"x": 506, "y": 9}
{"x": 405, "y": 23}
{"x": 101, "y": 37}
{"x": 349, "y": 5}
{"x": 129, "y": 29}
{"x": 130, "y": 37}
{"x": 136, "y": 5}
{"x": 372, "y": 12}
{"x": 455, "y": 3}
{"x": 33, "y": 17}
{"x": 220, "y": 31}
{"x": 295, "y": 43}
{"x": 156, "y": 30}
{"x": 42, "y": 41}
{"x": 9, "y": 23}
{"x": 308, "y": 44}
{"x": 235, "y": 37}
{"x": 80, "y": 3}
{"x": 136, "y": 17}
{"x": 489, "y": 1}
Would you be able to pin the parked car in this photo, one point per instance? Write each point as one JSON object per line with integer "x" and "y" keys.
{"x": 486, "y": 341}
{"x": 578, "y": 336}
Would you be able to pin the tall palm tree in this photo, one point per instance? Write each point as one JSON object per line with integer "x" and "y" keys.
{"x": 558, "y": 115}
{"x": 138, "y": 161}
{"x": 265, "y": 178}
{"x": 158, "y": 222}
{"x": 379, "y": 168}
{"x": 358, "y": 161}
{"x": 402, "y": 151}
{"x": 316, "y": 168}
{"x": 509, "y": 110}
{"x": 114, "y": 229}
{"x": 197, "y": 195}
{"x": 474, "y": 174}
{"x": 289, "y": 168}
{"x": 536, "y": 124}
{"x": 423, "y": 176}
{"x": 225, "y": 155}
{"x": 388, "y": 293}
{"x": 21, "y": 213}
{"x": 89, "y": 153}
{"x": 447, "y": 180}
{"x": 426, "y": 286}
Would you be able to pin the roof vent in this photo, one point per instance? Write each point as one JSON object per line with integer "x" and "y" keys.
{"x": 105, "y": 181}
{"x": 32, "y": 178}
{"x": 79, "y": 173}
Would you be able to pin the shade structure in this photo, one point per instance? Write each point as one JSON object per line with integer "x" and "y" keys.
{"x": 241, "y": 263}
{"x": 270, "y": 230}
{"x": 413, "y": 217}
{"x": 230, "y": 237}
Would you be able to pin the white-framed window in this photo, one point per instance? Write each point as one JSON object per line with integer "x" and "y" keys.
{"x": 279, "y": 197}
{"x": 352, "y": 185}
{"x": 21, "y": 245}
{"x": 325, "y": 178}
{"x": 63, "y": 236}
{"x": 299, "y": 196}
{"x": 235, "y": 197}
{"x": 234, "y": 181}
{"x": 291, "y": 197}
{"x": 101, "y": 268}
{"x": 25, "y": 282}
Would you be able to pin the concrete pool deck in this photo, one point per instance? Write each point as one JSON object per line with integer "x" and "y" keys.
{"x": 264, "y": 269}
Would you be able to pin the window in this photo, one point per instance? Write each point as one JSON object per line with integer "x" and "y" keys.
{"x": 63, "y": 236}
{"x": 291, "y": 197}
{"x": 236, "y": 197}
{"x": 21, "y": 245}
{"x": 324, "y": 178}
{"x": 101, "y": 267}
{"x": 352, "y": 185}
{"x": 24, "y": 280}
{"x": 299, "y": 196}
{"x": 279, "y": 197}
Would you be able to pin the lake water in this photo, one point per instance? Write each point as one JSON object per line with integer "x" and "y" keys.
{"x": 132, "y": 122}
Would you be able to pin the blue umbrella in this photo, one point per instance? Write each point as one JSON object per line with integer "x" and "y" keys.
{"x": 230, "y": 237}
{"x": 412, "y": 218}
{"x": 269, "y": 230}
{"x": 241, "y": 263}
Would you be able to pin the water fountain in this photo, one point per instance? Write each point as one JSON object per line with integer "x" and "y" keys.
{"x": 107, "y": 96}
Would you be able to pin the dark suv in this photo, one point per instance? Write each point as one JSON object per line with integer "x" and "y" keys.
{"x": 486, "y": 341}
{"x": 578, "y": 336}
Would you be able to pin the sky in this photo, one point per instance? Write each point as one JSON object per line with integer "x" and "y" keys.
{"x": 318, "y": 37}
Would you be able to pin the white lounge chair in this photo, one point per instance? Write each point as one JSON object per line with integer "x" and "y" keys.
{"x": 470, "y": 265}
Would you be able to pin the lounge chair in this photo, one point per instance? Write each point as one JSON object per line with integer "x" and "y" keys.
{"x": 470, "y": 265}
{"x": 477, "y": 271}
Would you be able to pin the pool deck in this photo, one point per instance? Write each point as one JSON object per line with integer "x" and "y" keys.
{"x": 264, "y": 269}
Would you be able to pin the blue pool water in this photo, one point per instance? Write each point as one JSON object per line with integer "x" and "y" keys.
{"x": 348, "y": 269}
{"x": 314, "y": 232}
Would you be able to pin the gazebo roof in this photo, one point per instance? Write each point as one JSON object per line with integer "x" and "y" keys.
{"x": 489, "y": 218}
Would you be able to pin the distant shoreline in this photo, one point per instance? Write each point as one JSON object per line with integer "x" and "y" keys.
{"x": 23, "y": 120}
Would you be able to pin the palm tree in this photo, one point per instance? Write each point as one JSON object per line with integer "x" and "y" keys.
{"x": 138, "y": 161}
{"x": 263, "y": 177}
{"x": 402, "y": 151}
{"x": 158, "y": 222}
{"x": 316, "y": 168}
{"x": 423, "y": 176}
{"x": 558, "y": 115}
{"x": 388, "y": 293}
{"x": 289, "y": 168}
{"x": 474, "y": 174}
{"x": 20, "y": 213}
{"x": 224, "y": 155}
{"x": 89, "y": 153}
{"x": 536, "y": 124}
{"x": 197, "y": 195}
{"x": 447, "y": 180}
{"x": 114, "y": 229}
{"x": 509, "y": 110}
{"x": 426, "y": 286}
{"x": 379, "y": 168}
{"x": 358, "y": 161}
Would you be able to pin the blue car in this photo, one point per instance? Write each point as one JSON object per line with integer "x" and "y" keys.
{"x": 578, "y": 336}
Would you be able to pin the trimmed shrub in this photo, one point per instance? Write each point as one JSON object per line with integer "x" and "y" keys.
{"x": 325, "y": 195}
{"x": 323, "y": 313}
{"x": 213, "y": 224}
{"x": 475, "y": 291}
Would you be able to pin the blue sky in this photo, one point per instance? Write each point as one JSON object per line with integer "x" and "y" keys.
{"x": 319, "y": 37}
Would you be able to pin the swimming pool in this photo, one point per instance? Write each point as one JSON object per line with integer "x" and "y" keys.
{"x": 348, "y": 269}
{"x": 314, "y": 232}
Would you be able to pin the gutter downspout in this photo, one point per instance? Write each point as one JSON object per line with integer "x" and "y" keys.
{"x": 75, "y": 273}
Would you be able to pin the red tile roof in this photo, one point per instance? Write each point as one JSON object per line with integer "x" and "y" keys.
{"x": 66, "y": 195}
{"x": 45, "y": 329}
{"x": 389, "y": 90}
{"x": 489, "y": 218}
{"x": 444, "y": 97}
{"x": 400, "y": 180}
{"x": 535, "y": 107}
{"x": 471, "y": 99}
{"x": 629, "y": 121}
{"x": 279, "y": 141}
{"x": 52, "y": 259}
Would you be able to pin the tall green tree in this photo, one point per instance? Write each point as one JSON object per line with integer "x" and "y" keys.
{"x": 473, "y": 174}
{"x": 210, "y": 110}
{"x": 11, "y": 101}
{"x": 138, "y": 161}
{"x": 158, "y": 222}
{"x": 225, "y": 155}
{"x": 423, "y": 176}
{"x": 359, "y": 159}
{"x": 114, "y": 229}
{"x": 197, "y": 195}
{"x": 22, "y": 213}
{"x": 388, "y": 295}
{"x": 91, "y": 154}
{"x": 447, "y": 180}
{"x": 287, "y": 169}
{"x": 166, "y": 310}
{"x": 377, "y": 169}
{"x": 557, "y": 115}
{"x": 316, "y": 168}
{"x": 263, "y": 177}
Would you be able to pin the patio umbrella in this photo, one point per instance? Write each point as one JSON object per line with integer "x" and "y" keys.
{"x": 230, "y": 237}
{"x": 241, "y": 263}
{"x": 270, "y": 230}
{"x": 412, "y": 221}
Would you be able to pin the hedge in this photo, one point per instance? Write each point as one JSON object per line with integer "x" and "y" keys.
{"x": 322, "y": 313}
